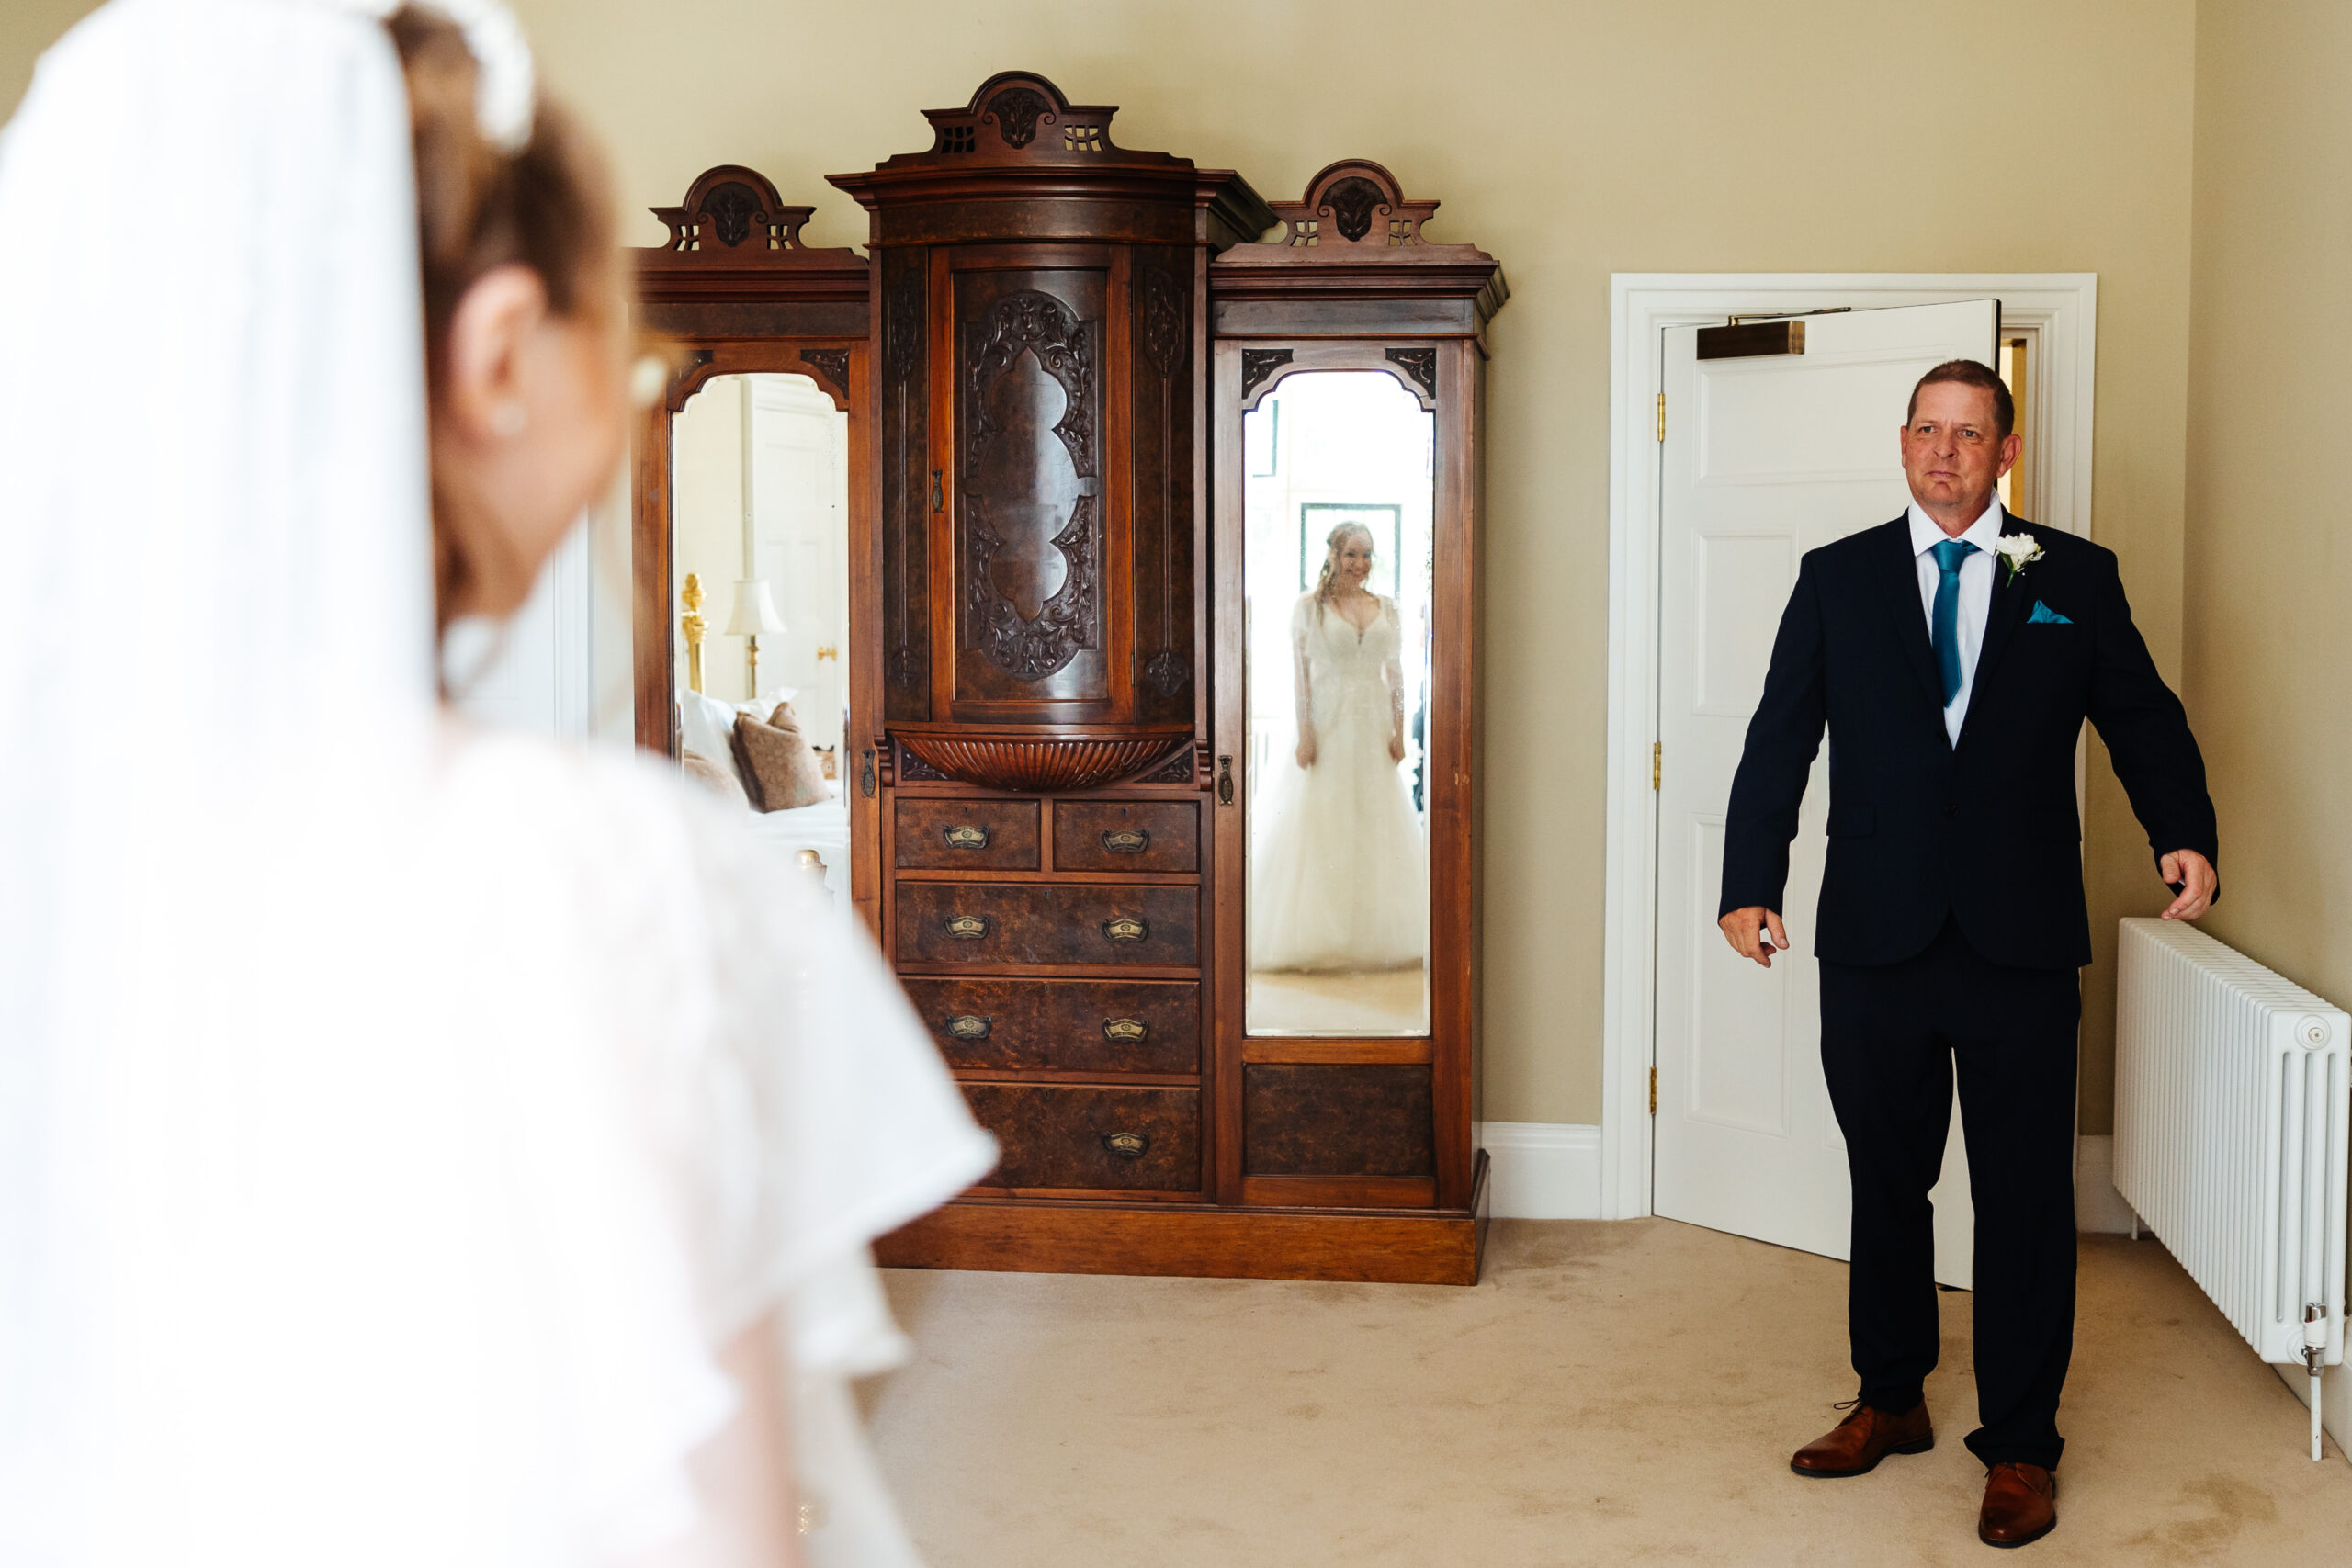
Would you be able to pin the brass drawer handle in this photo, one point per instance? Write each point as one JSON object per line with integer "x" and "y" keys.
{"x": 1126, "y": 1146}
{"x": 1125, "y": 1031}
{"x": 1125, "y": 930}
{"x": 1128, "y": 840}
{"x": 971, "y": 1026}
{"x": 963, "y": 836}
{"x": 965, "y": 927}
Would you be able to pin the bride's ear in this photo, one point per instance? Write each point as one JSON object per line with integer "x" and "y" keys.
{"x": 485, "y": 389}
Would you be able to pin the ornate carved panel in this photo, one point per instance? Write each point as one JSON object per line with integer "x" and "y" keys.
{"x": 906, "y": 502}
{"x": 1420, "y": 364}
{"x": 1257, "y": 364}
{"x": 1031, "y": 558}
{"x": 832, "y": 366}
{"x": 1163, "y": 327}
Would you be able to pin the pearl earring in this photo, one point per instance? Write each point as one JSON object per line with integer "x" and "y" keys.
{"x": 509, "y": 419}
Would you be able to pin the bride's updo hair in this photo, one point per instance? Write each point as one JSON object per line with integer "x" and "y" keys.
{"x": 547, "y": 206}
{"x": 1328, "y": 584}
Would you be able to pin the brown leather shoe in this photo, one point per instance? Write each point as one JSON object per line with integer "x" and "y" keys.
{"x": 2020, "y": 1505}
{"x": 1865, "y": 1437}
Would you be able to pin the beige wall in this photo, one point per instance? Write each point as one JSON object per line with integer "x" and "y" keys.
{"x": 2269, "y": 535}
{"x": 27, "y": 27}
{"x": 1572, "y": 141}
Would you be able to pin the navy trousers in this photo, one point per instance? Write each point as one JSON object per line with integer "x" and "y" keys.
{"x": 1891, "y": 1036}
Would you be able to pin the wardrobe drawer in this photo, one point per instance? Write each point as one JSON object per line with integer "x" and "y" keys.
{"x": 1044, "y": 922}
{"x": 1072, "y": 1026}
{"x": 1140, "y": 835}
{"x": 1058, "y": 1136}
{"x": 964, "y": 835}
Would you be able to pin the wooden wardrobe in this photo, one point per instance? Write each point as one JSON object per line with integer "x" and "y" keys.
{"x": 1059, "y": 351}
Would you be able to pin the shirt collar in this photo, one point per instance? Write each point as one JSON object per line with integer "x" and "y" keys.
{"x": 1926, "y": 536}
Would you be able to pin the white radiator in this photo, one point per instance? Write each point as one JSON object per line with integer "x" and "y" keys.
{"x": 2232, "y": 1092}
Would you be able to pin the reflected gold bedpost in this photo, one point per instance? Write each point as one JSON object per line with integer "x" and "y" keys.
{"x": 692, "y": 624}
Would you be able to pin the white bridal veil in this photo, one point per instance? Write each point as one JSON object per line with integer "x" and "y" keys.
{"x": 392, "y": 1119}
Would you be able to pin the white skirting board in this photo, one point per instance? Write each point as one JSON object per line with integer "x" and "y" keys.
{"x": 1541, "y": 1170}
{"x": 1551, "y": 1171}
{"x": 2099, "y": 1209}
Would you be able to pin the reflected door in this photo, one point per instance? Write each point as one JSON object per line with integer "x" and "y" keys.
{"x": 1765, "y": 458}
{"x": 1337, "y": 573}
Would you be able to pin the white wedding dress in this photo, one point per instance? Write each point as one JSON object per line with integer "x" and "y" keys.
{"x": 397, "y": 1120}
{"x": 1339, "y": 867}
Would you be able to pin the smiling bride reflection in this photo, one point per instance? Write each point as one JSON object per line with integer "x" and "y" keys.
{"x": 1339, "y": 874}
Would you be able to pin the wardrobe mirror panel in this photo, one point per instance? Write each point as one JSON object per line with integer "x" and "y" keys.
{"x": 760, "y": 585}
{"x": 1338, "y": 507}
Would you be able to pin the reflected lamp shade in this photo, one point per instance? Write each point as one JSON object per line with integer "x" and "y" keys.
{"x": 755, "y": 612}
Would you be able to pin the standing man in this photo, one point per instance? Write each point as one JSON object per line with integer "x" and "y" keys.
{"x": 1954, "y": 655}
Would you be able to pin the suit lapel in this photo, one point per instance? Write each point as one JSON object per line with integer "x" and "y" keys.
{"x": 2011, "y": 594}
{"x": 1897, "y": 571}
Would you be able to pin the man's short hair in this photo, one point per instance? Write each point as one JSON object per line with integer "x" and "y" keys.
{"x": 1970, "y": 373}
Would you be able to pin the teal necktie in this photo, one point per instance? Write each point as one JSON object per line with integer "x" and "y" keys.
{"x": 1946, "y": 616}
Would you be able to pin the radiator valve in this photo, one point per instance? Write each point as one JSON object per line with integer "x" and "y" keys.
{"x": 2314, "y": 1352}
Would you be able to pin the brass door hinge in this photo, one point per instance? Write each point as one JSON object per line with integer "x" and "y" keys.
{"x": 1657, "y": 763}
{"x": 1661, "y": 416}
{"x": 1653, "y": 1091}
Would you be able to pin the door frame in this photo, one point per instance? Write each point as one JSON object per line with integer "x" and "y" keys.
{"x": 2059, "y": 311}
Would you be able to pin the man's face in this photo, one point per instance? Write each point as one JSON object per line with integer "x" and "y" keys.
{"x": 1951, "y": 451}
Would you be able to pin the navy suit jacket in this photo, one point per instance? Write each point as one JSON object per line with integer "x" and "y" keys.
{"x": 1920, "y": 829}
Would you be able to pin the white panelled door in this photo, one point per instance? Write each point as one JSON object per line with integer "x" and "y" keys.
{"x": 1765, "y": 458}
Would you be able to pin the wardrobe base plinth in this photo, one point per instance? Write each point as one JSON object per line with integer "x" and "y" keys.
{"x": 1208, "y": 1241}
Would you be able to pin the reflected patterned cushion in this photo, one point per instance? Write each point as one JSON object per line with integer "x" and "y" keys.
{"x": 718, "y": 777}
{"x": 777, "y": 761}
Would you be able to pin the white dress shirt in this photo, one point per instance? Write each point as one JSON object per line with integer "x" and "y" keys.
{"x": 1976, "y": 597}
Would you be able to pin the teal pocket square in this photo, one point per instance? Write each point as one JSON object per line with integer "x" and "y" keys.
{"x": 2043, "y": 614}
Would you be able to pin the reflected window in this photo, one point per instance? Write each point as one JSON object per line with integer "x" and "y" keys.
{"x": 1336, "y": 579}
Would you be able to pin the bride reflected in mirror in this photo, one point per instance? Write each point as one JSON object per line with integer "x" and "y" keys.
{"x": 1338, "y": 876}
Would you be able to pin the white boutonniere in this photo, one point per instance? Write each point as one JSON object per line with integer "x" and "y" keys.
{"x": 2019, "y": 551}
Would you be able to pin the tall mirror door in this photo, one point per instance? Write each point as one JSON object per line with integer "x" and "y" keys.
{"x": 1338, "y": 567}
{"x": 758, "y": 470}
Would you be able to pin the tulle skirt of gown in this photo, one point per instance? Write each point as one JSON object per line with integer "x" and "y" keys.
{"x": 1339, "y": 873}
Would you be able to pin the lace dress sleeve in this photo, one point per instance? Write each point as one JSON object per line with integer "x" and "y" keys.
{"x": 1392, "y": 669}
{"x": 1302, "y": 683}
{"x": 829, "y": 1121}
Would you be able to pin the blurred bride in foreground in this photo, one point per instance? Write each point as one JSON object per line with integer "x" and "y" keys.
{"x": 418, "y": 1146}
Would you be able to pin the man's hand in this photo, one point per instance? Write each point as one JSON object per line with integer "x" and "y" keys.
{"x": 1745, "y": 928}
{"x": 2196, "y": 878}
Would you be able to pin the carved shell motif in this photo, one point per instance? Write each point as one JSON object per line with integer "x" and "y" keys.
{"x": 1352, "y": 202}
{"x": 733, "y": 206}
{"x": 1017, "y": 111}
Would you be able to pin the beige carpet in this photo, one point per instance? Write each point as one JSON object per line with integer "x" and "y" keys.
{"x": 1611, "y": 1393}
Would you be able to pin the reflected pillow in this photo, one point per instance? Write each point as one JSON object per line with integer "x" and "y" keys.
{"x": 779, "y": 766}
{"x": 707, "y": 726}
{"x": 720, "y": 778}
